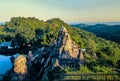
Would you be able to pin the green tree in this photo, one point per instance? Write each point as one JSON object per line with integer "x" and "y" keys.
{"x": 91, "y": 46}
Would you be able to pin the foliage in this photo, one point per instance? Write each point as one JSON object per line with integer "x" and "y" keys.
{"x": 36, "y": 31}
{"x": 91, "y": 46}
{"x": 100, "y": 52}
{"x": 85, "y": 69}
{"x": 101, "y": 30}
{"x": 102, "y": 69}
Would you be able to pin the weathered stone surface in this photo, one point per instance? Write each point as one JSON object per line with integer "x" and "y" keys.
{"x": 68, "y": 45}
{"x": 20, "y": 65}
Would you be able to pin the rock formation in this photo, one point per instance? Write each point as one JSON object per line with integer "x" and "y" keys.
{"x": 18, "y": 71}
{"x": 20, "y": 65}
{"x": 68, "y": 46}
{"x": 62, "y": 52}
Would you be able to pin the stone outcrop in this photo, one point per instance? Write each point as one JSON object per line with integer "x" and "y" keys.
{"x": 68, "y": 48}
{"x": 62, "y": 52}
{"x": 20, "y": 65}
{"x": 18, "y": 71}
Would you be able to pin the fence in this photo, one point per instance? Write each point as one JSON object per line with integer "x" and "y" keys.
{"x": 85, "y": 77}
{"x": 90, "y": 77}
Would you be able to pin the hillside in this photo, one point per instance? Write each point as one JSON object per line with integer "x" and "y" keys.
{"x": 109, "y": 32}
{"x": 101, "y": 55}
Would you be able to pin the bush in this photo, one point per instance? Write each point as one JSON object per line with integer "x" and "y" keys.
{"x": 102, "y": 69}
{"x": 84, "y": 69}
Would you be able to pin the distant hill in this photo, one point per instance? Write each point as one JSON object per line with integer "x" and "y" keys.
{"x": 109, "y": 32}
{"x": 94, "y": 23}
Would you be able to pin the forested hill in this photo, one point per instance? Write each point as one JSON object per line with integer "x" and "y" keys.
{"x": 109, "y": 32}
{"x": 101, "y": 55}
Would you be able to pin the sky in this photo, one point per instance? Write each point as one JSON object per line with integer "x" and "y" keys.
{"x": 67, "y": 10}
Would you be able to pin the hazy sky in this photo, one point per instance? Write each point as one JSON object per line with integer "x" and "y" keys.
{"x": 67, "y": 10}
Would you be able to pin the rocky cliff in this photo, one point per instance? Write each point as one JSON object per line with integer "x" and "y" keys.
{"x": 69, "y": 54}
{"x": 68, "y": 46}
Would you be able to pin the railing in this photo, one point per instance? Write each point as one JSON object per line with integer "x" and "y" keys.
{"x": 90, "y": 77}
{"x": 84, "y": 77}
